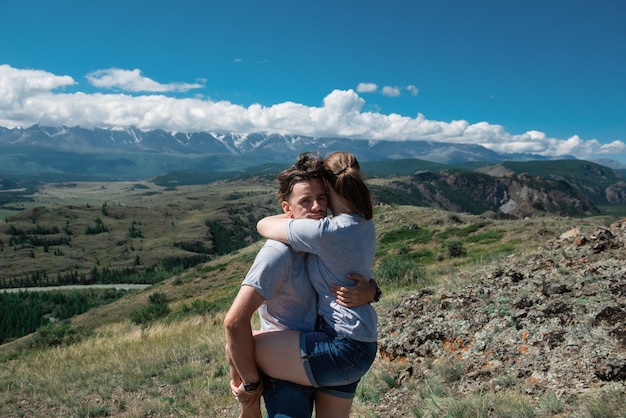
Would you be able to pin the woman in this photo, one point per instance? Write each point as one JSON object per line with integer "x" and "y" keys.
{"x": 340, "y": 352}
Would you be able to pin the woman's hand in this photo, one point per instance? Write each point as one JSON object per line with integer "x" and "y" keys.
{"x": 352, "y": 296}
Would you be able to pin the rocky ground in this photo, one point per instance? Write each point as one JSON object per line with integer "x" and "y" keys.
{"x": 552, "y": 321}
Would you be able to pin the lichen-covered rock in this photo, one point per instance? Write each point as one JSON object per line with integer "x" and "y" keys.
{"x": 553, "y": 321}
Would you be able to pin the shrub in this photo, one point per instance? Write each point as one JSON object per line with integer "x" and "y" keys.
{"x": 157, "y": 308}
{"x": 455, "y": 249}
{"x": 397, "y": 271}
{"x": 58, "y": 333}
{"x": 201, "y": 307}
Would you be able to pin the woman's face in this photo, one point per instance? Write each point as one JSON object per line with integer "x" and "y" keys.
{"x": 308, "y": 199}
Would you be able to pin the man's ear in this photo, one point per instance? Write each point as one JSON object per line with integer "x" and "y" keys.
{"x": 286, "y": 208}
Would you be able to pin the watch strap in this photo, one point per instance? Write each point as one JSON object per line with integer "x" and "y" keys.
{"x": 379, "y": 293}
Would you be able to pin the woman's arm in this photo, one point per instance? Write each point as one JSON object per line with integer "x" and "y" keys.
{"x": 274, "y": 227}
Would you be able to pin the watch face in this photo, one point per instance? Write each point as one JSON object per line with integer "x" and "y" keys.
{"x": 251, "y": 387}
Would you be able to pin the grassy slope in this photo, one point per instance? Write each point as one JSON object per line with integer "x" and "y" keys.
{"x": 177, "y": 367}
{"x": 164, "y": 216}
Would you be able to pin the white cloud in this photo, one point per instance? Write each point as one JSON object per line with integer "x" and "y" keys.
{"x": 366, "y": 88}
{"x": 391, "y": 91}
{"x": 134, "y": 81}
{"x": 31, "y": 96}
{"x": 412, "y": 90}
{"x": 16, "y": 85}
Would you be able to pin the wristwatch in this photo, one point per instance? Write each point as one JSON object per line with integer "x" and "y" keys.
{"x": 251, "y": 387}
{"x": 379, "y": 292}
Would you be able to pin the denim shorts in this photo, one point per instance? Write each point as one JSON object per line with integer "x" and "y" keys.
{"x": 333, "y": 362}
{"x": 286, "y": 399}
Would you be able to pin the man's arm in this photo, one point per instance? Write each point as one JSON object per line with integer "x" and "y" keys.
{"x": 239, "y": 341}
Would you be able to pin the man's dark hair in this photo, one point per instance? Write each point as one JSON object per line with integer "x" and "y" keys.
{"x": 308, "y": 166}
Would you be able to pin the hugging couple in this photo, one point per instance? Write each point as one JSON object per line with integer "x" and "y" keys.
{"x": 310, "y": 285}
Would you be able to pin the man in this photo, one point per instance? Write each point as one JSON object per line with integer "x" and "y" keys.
{"x": 278, "y": 286}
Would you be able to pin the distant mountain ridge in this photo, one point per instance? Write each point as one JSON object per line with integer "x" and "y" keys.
{"x": 511, "y": 195}
{"x": 134, "y": 153}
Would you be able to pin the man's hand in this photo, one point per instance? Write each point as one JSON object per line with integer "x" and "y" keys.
{"x": 244, "y": 397}
{"x": 352, "y": 296}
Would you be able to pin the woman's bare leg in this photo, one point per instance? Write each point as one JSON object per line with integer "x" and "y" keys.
{"x": 278, "y": 355}
{"x": 329, "y": 406}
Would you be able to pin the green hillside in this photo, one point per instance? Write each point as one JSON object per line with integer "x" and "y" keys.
{"x": 191, "y": 235}
{"x": 159, "y": 352}
{"x": 590, "y": 178}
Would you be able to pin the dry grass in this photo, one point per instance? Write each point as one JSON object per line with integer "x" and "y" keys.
{"x": 125, "y": 370}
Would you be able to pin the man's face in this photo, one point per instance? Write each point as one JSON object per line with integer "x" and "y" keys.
{"x": 308, "y": 199}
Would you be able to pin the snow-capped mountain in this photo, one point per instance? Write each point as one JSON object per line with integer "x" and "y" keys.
{"x": 40, "y": 148}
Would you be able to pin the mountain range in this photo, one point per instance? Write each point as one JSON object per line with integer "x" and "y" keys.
{"x": 135, "y": 154}
{"x": 454, "y": 177}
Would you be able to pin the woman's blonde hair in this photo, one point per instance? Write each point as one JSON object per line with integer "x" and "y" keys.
{"x": 345, "y": 177}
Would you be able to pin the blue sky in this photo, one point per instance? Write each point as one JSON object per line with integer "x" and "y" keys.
{"x": 547, "y": 77}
